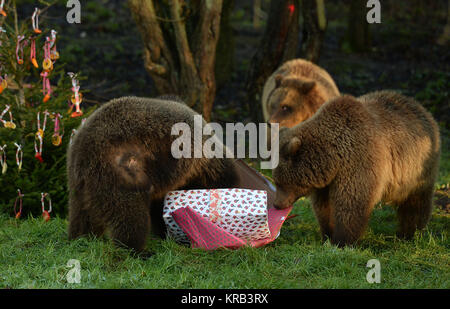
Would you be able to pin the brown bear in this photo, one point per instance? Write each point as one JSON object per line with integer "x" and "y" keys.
{"x": 355, "y": 152}
{"x": 295, "y": 91}
{"x": 120, "y": 167}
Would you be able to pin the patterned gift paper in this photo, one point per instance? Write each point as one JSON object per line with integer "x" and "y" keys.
{"x": 206, "y": 235}
{"x": 240, "y": 212}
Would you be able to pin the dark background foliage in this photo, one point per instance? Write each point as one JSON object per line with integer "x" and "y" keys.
{"x": 106, "y": 48}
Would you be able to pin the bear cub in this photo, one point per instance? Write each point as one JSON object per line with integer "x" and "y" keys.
{"x": 295, "y": 91}
{"x": 355, "y": 152}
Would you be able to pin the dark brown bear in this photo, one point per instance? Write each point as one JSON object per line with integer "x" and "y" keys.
{"x": 120, "y": 167}
{"x": 295, "y": 91}
{"x": 354, "y": 153}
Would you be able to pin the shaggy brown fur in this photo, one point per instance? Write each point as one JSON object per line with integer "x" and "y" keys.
{"x": 295, "y": 91}
{"x": 120, "y": 167}
{"x": 354, "y": 153}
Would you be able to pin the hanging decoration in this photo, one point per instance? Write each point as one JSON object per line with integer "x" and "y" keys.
{"x": 2, "y": 10}
{"x": 54, "y": 55}
{"x": 46, "y": 213}
{"x": 47, "y": 65}
{"x": 7, "y": 124}
{"x": 35, "y": 21}
{"x": 77, "y": 96}
{"x": 18, "y": 199}
{"x": 33, "y": 52}
{"x": 40, "y": 136}
{"x": 74, "y": 131}
{"x": 57, "y": 137}
{"x": 3, "y": 159}
{"x": 3, "y": 83}
{"x": 19, "y": 156}
{"x": 19, "y": 48}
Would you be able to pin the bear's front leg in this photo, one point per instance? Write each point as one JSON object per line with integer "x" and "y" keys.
{"x": 322, "y": 209}
{"x": 351, "y": 206}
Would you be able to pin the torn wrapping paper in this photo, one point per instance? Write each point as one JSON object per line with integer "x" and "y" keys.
{"x": 216, "y": 218}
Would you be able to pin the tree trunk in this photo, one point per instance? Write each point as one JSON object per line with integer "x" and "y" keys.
{"x": 279, "y": 44}
{"x": 225, "y": 46}
{"x": 314, "y": 26}
{"x": 179, "y": 62}
{"x": 358, "y": 28}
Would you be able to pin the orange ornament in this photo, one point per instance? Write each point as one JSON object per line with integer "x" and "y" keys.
{"x": 45, "y": 215}
{"x": 34, "y": 62}
{"x": 46, "y": 98}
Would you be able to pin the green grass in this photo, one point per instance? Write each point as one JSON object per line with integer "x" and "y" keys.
{"x": 34, "y": 254}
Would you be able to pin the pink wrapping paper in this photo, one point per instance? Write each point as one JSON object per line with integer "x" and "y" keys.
{"x": 216, "y": 218}
{"x": 205, "y": 234}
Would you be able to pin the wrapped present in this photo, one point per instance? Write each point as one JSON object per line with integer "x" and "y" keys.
{"x": 240, "y": 212}
{"x": 187, "y": 222}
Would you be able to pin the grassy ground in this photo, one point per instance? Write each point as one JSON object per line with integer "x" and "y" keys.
{"x": 34, "y": 254}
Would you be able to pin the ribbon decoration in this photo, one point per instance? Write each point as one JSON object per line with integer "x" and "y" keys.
{"x": 3, "y": 83}
{"x": 46, "y": 88}
{"x": 74, "y": 131}
{"x": 18, "y": 198}
{"x": 56, "y": 137}
{"x": 40, "y": 136}
{"x": 47, "y": 65}
{"x": 45, "y": 213}
{"x": 19, "y": 47}
{"x": 19, "y": 156}
{"x": 8, "y": 124}
{"x": 2, "y": 11}
{"x": 38, "y": 154}
{"x": 77, "y": 96}
{"x": 41, "y": 131}
{"x": 35, "y": 20}
{"x": 3, "y": 159}
{"x": 54, "y": 55}
{"x": 33, "y": 52}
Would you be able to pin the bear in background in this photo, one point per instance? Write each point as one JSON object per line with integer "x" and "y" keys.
{"x": 355, "y": 152}
{"x": 295, "y": 91}
{"x": 120, "y": 167}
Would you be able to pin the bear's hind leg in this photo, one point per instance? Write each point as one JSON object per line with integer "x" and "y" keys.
{"x": 129, "y": 223}
{"x": 80, "y": 223}
{"x": 414, "y": 213}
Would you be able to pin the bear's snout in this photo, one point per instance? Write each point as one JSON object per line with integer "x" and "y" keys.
{"x": 283, "y": 199}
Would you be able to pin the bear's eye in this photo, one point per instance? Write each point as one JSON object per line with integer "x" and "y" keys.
{"x": 285, "y": 108}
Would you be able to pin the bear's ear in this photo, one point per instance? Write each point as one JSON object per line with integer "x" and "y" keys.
{"x": 306, "y": 86}
{"x": 293, "y": 145}
{"x": 303, "y": 86}
{"x": 278, "y": 80}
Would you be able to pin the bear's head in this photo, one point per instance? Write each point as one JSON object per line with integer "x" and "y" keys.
{"x": 293, "y": 100}
{"x": 292, "y": 175}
